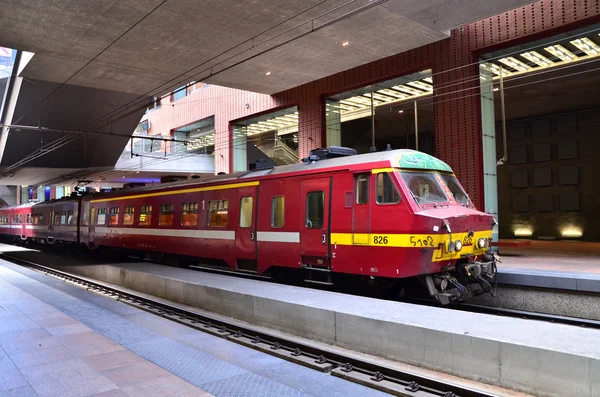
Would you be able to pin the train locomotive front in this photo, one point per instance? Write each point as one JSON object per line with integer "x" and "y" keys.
{"x": 437, "y": 237}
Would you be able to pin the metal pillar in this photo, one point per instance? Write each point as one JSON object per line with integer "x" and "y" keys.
{"x": 416, "y": 128}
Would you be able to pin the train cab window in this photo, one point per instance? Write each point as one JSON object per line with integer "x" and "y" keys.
{"x": 457, "y": 191}
{"x": 315, "y": 210}
{"x": 424, "y": 187}
{"x": 362, "y": 189}
{"x": 277, "y": 211}
{"x": 70, "y": 218}
{"x": 113, "y": 218}
{"x": 218, "y": 212}
{"x": 101, "y": 220}
{"x": 386, "y": 191}
{"x": 128, "y": 215}
{"x": 246, "y": 212}
{"x": 145, "y": 215}
{"x": 189, "y": 214}
{"x": 165, "y": 215}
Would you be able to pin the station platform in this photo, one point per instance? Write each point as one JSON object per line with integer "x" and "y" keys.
{"x": 565, "y": 265}
{"x": 528, "y": 356}
{"x": 57, "y": 340}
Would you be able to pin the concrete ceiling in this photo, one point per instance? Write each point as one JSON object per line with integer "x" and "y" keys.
{"x": 137, "y": 46}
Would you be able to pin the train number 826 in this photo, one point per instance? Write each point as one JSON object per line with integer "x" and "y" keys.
{"x": 380, "y": 240}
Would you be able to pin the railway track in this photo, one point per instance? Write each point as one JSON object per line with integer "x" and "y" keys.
{"x": 380, "y": 377}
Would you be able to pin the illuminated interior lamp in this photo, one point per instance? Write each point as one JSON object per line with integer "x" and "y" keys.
{"x": 586, "y": 45}
{"x": 497, "y": 70}
{"x": 515, "y": 64}
{"x": 537, "y": 58}
{"x": 561, "y": 53}
{"x": 421, "y": 85}
{"x": 408, "y": 90}
{"x": 428, "y": 79}
{"x": 572, "y": 232}
{"x": 523, "y": 232}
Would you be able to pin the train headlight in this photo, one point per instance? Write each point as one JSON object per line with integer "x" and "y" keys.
{"x": 482, "y": 243}
{"x": 458, "y": 246}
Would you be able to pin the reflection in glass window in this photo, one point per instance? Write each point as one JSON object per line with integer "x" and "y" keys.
{"x": 101, "y": 216}
{"x": 128, "y": 215}
{"x": 386, "y": 191}
{"x": 362, "y": 189}
{"x": 315, "y": 210}
{"x": 246, "y": 212}
{"x": 114, "y": 216}
{"x": 189, "y": 214}
{"x": 277, "y": 211}
{"x": 457, "y": 191}
{"x": 218, "y": 213}
{"x": 165, "y": 215}
{"x": 424, "y": 187}
{"x": 145, "y": 215}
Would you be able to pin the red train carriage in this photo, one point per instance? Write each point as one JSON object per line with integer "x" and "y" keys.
{"x": 15, "y": 221}
{"x": 383, "y": 216}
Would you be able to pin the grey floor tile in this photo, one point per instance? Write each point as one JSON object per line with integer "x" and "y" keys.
{"x": 119, "y": 329}
{"x": 32, "y": 344}
{"x": 68, "y": 369}
{"x": 73, "y": 387}
{"x": 160, "y": 325}
{"x": 316, "y": 383}
{"x": 186, "y": 362}
{"x": 171, "y": 387}
{"x": 69, "y": 329}
{"x": 249, "y": 384}
{"x": 41, "y": 357}
{"x": 5, "y": 362}
{"x": 140, "y": 372}
{"x": 111, "y": 393}
{"x": 9, "y": 310}
{"x": 25, "y": 391}
{"x": 17, "y": 323}
{"x": 50, "y": 320}
{"x": 105, "y": 361}
{"x": 12, "y": 379}
{"x": 89, "y": 343}
{"x": 21, "y": 335}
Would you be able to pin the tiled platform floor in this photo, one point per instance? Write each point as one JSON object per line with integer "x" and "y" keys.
{"x": 57, "y": 340}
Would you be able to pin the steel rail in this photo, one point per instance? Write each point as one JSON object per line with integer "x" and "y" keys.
{"x": 377, "y": 376}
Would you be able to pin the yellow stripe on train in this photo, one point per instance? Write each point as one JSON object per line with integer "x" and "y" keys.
{"x": 436, "y": 241}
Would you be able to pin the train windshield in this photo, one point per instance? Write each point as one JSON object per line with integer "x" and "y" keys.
{"x": 457, "y": 191}
{"x": 425, "y": 187}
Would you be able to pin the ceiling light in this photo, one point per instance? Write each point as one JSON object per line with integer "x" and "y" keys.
{"x": 428, "y": 79}
{"x": 561, "y": 53}
{"x": 123, "y": 177}
{"x": 400, "y": 111}
{"x": 496, "y": 89}
{"x": 586, "y": 45}
{"x": 537, "y": 58}
{"x": 515, "y": 64}
{"x": 408, "y": 90}
{"x": 497, "y": 70}
{"x": 268, "y": 73}
{"x": 345, "y": 43}
{"x": 421, "y": 85}
{"x": 393, "y": 93}
{"x": 523, "y": 232}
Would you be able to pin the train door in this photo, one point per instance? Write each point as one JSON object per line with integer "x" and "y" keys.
{"x": 245, "y": 232}
{"x": 361, "y": 210}
{"x": 315, "y": 230}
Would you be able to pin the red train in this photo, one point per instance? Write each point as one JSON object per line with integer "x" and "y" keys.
{"x": 388, "y": 217}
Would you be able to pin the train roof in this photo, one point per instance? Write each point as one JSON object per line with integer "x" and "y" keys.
{"x": 16, "y": 207}
{"x": 400, "y": 158}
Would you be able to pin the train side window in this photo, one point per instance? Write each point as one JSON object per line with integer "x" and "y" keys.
{"x": 101, "y": 216}
{"x": 128, "y": 215}
{"x": 315, "y": 209}
{"x": 63, "y": 217}
{"x": 28, "y": 221}
{"x": 386, "y": 191}
{"x": 20, "y": 218}
{"x": 218, "y": 212}
{"x": 40, "y": 218}
{"x": 246, "y": 212}
{"x": 189, "y": 214}
{"x": 145, "y": 215}
{"x": 362, "y": 189}
{"x": 277, "y": 211}
{"x": 114, "y": 216}
{"x": 165, "y": 215}
{"x": 70, "y": 217}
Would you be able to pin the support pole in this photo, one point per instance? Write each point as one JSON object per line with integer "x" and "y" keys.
{"x": 503, "y": 110}
{"x": 372, "y": 125}
{"x": 416, "y": 127}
